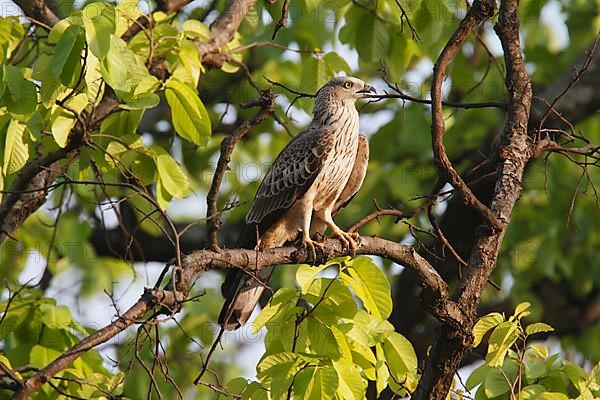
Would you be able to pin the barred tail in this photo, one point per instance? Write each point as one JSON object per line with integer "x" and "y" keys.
{"x": 242, "y": 292}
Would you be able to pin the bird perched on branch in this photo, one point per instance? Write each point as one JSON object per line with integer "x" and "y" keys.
{"x": 314, "y": 176}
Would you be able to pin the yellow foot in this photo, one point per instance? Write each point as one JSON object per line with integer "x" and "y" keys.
{"x": 348, "y": 239}
{"x": 311, "y": 245}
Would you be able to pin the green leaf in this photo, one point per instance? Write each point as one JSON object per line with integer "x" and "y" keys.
{"x": 372, "y": 39}
{"x": 170, "y": 174}
{"x": 351, "y": 384}
{"x": 336, "y": 63}
{"x": 305, "y": 275}
{"x": 56, "y": 317}
{"x": 20, "y": 94}
{"x": 143, "y": 103}
{"x": 51, "y": 88}
{"x": 314, "y": 74}
{"x": 278, "y": 370}
{"x": 237, "y": 385}
{"x": 127, "y": 11}
{"x": 126, "y": 73}
{"x": 370, "y": 285}
{"x": 367, "y": 329}
{"x": 484, "y": 324}
{"x": 196, "y": 29}
{"x": 93, "y": 79}
{"x": 478, "y": 375}
{"x": 552, "y": 396}
{"x": 66, "y": 62}
{"x": 400, "y": 356}
{"x": 383, "y": 374}
{"x": 537, "y": 328}
{"x": 121, "y": 123}
{"x": 541, "y": 350}
{"x": 62, "y": 122}
{"x": 495, "y": 384}
{"x": 191, "y": 67}
{"x": 16, "y": 152}
{"x": 163, "y": 197}
{"x": 576, "y": 375}
{"x": 99, "y": 22}
{"x": 531, "y": 392}
{"x": 316, "y": 383}
{"x": 41, "y": 356}
{"x": 190, "y": 118}
{"x": 284, "y": 298}
{"x": 521, "y": 311}
{"x": 501, "y": 339}
{"x": 535, "y": 367}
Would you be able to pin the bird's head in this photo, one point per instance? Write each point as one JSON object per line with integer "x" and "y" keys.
{"x": 345, "y": 89}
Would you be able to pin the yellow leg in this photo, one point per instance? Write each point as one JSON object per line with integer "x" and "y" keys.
{"x": 348, "y": 239}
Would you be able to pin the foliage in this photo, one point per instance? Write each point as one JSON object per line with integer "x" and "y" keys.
{"x": 323, "y": 344}
{"x": 515, "y": 367}
{"x": 35, "y": 330}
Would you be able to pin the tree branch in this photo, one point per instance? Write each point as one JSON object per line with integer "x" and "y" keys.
{"x": 213, "y": 221}
{"x": 198, "y": 262}
{"x": 450, "y": 344}
{"x": 480, "y": 11}
{"x": 222, "y": 32}
{"x": 39, "y": 10}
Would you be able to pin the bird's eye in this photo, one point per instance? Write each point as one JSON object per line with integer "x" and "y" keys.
{"x": 347, "y": 84}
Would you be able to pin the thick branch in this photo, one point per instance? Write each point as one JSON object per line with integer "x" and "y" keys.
{"x": 460, "y": 222}
{"x": 200, "y": 261}
{"x": 222, "y": 32}
{"x": 451, "y": 345}
{"x": 38, "y": 10}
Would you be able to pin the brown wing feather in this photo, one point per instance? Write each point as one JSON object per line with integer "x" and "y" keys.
{"x": 291, "y": 175}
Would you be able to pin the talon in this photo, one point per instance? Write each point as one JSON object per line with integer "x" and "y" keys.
{"x": 312, "y": 245}
{"x": 354, "y": 235}
{"x": 347, "y": 239}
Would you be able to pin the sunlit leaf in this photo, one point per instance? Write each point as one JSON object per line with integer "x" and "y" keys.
{"x": 99, "y": 21}
{"x": 316, "y": 383}
{"x": 502, "y": 338}
{"x": 170, "y": 174}
{"x": 538, "y": 327}
{"x": 66, "y": 62}
{"x": 484, "y": 324}
{"x": 190, "y": 118}
{"x": 16, "y": 151}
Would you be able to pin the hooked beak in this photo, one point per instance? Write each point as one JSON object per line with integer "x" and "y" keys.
{"x": 364, "y": 92}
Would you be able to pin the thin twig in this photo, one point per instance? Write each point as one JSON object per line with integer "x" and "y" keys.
{"x": 213, "y": 222}
{"x": 282, "y": 23}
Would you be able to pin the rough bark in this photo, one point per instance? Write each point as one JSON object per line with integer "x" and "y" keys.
{"x": 459, "y": 222}
{"x": 451, "y": 344}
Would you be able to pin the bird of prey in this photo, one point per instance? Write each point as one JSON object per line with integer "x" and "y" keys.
{"x": 315, "y": 175}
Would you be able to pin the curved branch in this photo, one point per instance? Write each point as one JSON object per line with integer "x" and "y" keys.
{"x": 200, "y": 261}
{"x": 450, "y": 344}
{"x": 479, "y": 12}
